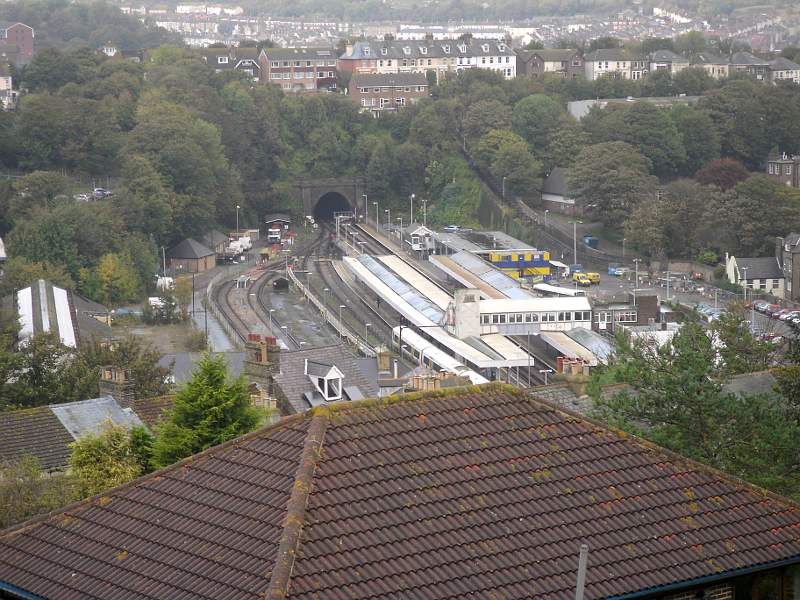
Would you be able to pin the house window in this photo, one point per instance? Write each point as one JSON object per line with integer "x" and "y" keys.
{"x": 298, "y": 74}
{"x": 430, "y": 62}
{"x": 502, "y": 47}
{"x": 491, "y": 60}
{"x": 771, "y": 169}
{"x": 406, "y": 50}
{"x": 380, "y": 63}
{"x": 495, "y": 319}
{"x": 384, "y": 51}
{"x": 273, "y": 63}
{"x": 788, "y": 169}
{"x": 286, "y": 63}
{"x": 384, "y": 102}
{"x": 423, "y": 50}
{"x": 446, "y": 49}
{"x": 775, "y": 283}
{"x": 297, "y": 63}
{"x": 287, "y": 75}
{"x": 320, "y": 74}
{"x": 363, "y": 101}
{"x": 331, "y": 74}
{"x": 366, "y": 51}
{"x": 376, "y": 90}
{"x": 485, "y": 47}
{"x": 400, "y": 101}
{"x": 275, "y": 76}
{"x": 222, "y": 60}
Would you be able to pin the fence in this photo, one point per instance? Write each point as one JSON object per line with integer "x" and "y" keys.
{"x": 340, "y": 327}
{"x": 210, "y": 303}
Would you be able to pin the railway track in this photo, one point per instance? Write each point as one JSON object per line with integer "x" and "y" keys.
{"x": 221, "y": 298}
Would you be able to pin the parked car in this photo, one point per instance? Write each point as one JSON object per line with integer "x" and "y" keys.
{"x": 100, "y": 193}
{"x": 779, "y": 313}
{"x": 451, "y": 228}
{"x": 759, "y": 305}
{"x": 581, "y": 279}
{"x": 593, "y": 277}
{"x": 790, "y": 315}
{"x": 82, "y": 197}
{"x": 771, "y": 308}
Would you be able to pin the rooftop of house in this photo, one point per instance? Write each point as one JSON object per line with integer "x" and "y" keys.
{"x": 555, "y": 183}
{"x": 614, "y": 54}
{"x": 766, "y": 267}
{"x": 667, "y": 56}
{"x": 783, "y": 64}
{"x": 548, "y": 54}
{"x": 213, "y": 238}
{"x": 746, "y": 58}
{"x": 388, "y": 80}
{"x": 484, "y": 491}
{"x": 189, "y": 249}
{"x": 299, "y": 53}
{"x": 427, "y": 49}
{"x": 46, "y": 432}
{"x": 296, "y": 386}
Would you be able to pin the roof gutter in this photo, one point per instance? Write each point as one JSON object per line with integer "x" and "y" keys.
{"x": 708, "y": 579}
{"x": 18, "y": 592}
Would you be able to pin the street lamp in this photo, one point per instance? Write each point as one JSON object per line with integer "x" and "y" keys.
{"x": 623, "y": 250}
{"x": 400, "y": 233}
{"x": 366, "y": 329}
{"x": 546, "y": 210}
{"x": 366, "y": 205}
{"x": 744, "y": 283}
{"x": 376, "y": 216}
{"x": 361, "y": 246}
{"x": 412, "y": 207}
{"x": 636, "y": 281}
{"x": 237, "y": 220}
{"x": 325, "y": 292}
{"x": 388, "y": 212}
{"x": 341, "y": 306}
{"x": 575, "y": 241}
{"x": 271, "y": 310}
{"x": 424, "y": 212}
{"x": 545, "y": 372}
{"x": 504, "y": 188}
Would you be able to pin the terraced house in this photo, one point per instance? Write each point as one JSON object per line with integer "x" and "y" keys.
{"x": 481, "y": 492}
{"x": 440, "y": 57}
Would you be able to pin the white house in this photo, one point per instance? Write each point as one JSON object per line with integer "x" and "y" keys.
{"x": 762, "y": 275}
{"x": 615, "y": 62}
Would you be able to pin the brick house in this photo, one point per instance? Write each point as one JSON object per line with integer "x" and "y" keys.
{"x": 16, "y": 42}
{"x": 784, "y": 169}
{"x": 666, "y": 60}
{"x": 484, "y": 492}
{"x": 566, "y": 63}
{"x": 300, "y": 69}
{"x": 383, "y": 92}
{"x": 440, "y": 57}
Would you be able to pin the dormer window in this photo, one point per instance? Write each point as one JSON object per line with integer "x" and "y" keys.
{"x": 384, "y": 51}
{"x": 462, "y": 48}
{"x": 502, "y": 47}
{"x": 485, "y": 47}
{"x": 222, "y": 60}
{"x": 326, "y": 379}
{"x": 446, "y": 48}
{"x": 423, "y": 50}
{"x": 366, "y": 51}
{"x": 406, "y": 50}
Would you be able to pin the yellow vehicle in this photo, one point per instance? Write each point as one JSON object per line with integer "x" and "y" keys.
{"x": 593, "y": 277}
{"x": 581, "y": 279}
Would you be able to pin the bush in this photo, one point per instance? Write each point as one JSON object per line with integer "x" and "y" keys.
{"x": 708, "y": 257}
{"x": 196, "y": 341}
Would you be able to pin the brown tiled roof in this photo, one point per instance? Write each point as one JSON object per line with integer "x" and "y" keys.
{"x": 152, "y": 410}
{"x": 36, "y": 432}
{"x": 485, "y": 493}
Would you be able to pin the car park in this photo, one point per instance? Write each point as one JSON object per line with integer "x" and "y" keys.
{"x": 779, "y": 313}
{"x": 790, "y": 315}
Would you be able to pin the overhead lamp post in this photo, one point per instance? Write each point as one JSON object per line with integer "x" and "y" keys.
{"x": 575, "y": 241}
{"x": 377, "y": 226}
{"x": 400, "y": 233}
{"x": 271, "y": 310}
{"x": 504, "y": 188}
{"x": 424, "y": 212}
{"x": 636, "y": 281}
{"x": 412, "y": 207}
{"x": 361, "y": 246}
{"x": 325, "y": 292}
{"x": 366, "y": 205}
{"x": 546, "y": 211}
{"x": 623, "y": 250}
{"x": 388, "y": 212}
{"x": 341, "y": 306}
{"x": 545, "y": 372}
{"x": 366, "y": 331}
{"x": 237, "y": 220}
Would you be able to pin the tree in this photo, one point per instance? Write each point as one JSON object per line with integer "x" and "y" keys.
{"x": 208, "y": 410}
{"x": 506, "y": 155}
{"x": 108, "y": 458}
{"x": 26, "y": 491}
{"x": 534, "y": 45}
{"x": 658, "y": 83}
{"x": 724, "y": 173}
{"x": 698, "y": 136}
{"x": 564, "y": 145}
{"x": 693, "y": 81}
{"x": 19, "y": 272}
{"x": 739, "y": 351}
{"x": 536, "y": 118}
{"x": 117, "y": 279}
{"x": 484, "y": 116}
{"x": 604, "y": 43}
{"x": 609, "y": 180}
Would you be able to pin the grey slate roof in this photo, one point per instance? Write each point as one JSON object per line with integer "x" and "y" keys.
{"x": 388, "y": 79}
{"x": 711, "y": 58}
{"x": 783, "y": 64}
{"x": 745, "y": 58}
{"x": 423, "y": 49}
{"x": 294, "y": 383}
{"x": 759, "y": 383}
{"x": 555, "y": 183}
{"x": 324, "y": 53}
{"x": 189, "y": 248}
{"x": 555, "y": 54}
{"x": 760, "y": 268}
{"x": 610, "y": 54}
{"x": 667, "y": 56}
{"x": 213, "y": 238}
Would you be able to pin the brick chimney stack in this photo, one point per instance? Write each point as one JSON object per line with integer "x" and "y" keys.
{"x": 117, "y": 383}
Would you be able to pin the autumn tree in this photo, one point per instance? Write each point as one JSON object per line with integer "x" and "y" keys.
{"x": 724, "y": 173}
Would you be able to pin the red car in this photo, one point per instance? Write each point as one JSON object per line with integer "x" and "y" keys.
{"x": 772, "y": 308}
{"x": 778, "y": 314}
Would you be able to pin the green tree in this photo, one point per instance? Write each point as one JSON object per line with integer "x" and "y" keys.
{"x": 658, "y": 83}
{"x": 26, "y": 491}
{"x": 208, "y": 410}
{"x": 107, "y": 459}
{"x": 564, "y": 145}
{"x": 537, "y": 118}
{"x": 506, "y": 155}
{"x": 118, "y": 279}
{"x": 483, "y": 116}
{"x": 693, "y": 81}
{"x": 698, "y": 136}
{"x": 739, "y": 350}
{"x": 609, "y": 180}
{"x": 19, "y": 272}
